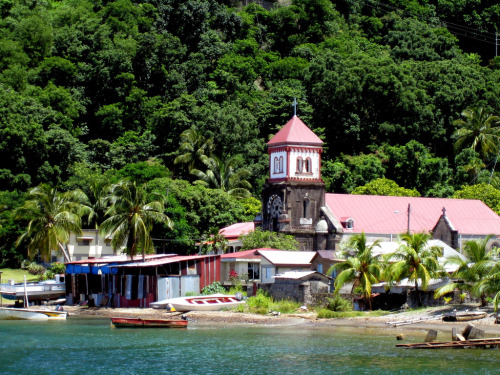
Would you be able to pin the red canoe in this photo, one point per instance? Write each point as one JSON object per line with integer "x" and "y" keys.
{"x": 148, "y": 323}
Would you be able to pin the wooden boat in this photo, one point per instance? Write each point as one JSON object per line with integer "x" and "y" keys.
{"x": 475, "y": 343}
{"x": 44, "y": 290}
{"x": 464, "y": 316}
{"x": 12, "y": 313}
{"x": 213, "y": 302}
{"x": 148, "y": 323}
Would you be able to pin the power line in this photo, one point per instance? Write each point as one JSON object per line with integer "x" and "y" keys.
{"x": 454, "y": 28}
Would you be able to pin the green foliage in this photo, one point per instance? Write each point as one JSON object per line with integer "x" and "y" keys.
{"x": 10, "y": 229}
{"x": 484, "y": 192}
{"x": 213, "y": 288}
{"x": 52, "y": 216}
{"x": 267, "y": 239}
{"x": 361, "y": 266}
{"x": 337, "y": 303}
{"x": 58, "y": 268}
{"x": 131, "y": 216}
{"x": 414, "y": 260}
{"x": 384, "y": 186}
{"x": 36, "y": 269}
{"x": 104, "y": 84}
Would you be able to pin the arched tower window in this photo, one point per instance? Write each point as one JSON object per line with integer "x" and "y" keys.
{"x": 276, "y": 165}
{"x": 308, "y": 165}
{"x": 281, "y": 164}
{"x": 300, "y": 164}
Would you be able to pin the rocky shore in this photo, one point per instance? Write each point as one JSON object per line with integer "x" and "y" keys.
{"x": 301, "y": 318}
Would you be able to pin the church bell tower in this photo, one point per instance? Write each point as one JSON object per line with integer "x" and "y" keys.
{"x": 294, "y": 193}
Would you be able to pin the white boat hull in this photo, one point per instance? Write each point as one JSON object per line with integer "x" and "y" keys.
{"x": 214, "y": 302}
{"x": 35, "y": 291}
{"x": 12, "y": 313}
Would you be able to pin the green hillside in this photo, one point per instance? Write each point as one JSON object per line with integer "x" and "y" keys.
{"x": 95, "y": 91}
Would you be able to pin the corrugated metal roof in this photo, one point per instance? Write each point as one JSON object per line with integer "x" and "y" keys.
{"x": 245, "y": 254}
{"x": 382, "y": 214}
{"x": 120, "y": 258}
{"x": 289, "y": 258}
{"x": 160, "y": 262}
{"x": 295, "y": 132}
{"x": 235, "y": 230}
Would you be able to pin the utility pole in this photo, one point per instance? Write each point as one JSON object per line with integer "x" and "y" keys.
{"x": 409, "y": 210}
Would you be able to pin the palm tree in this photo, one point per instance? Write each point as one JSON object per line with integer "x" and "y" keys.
{"x": 490, "y": 285}
{"x": 192, "y": 147}
{"x": 361, "y": 266}
{"x": 214, "y": 241}
{"x": 473, "y": 269}
{"x": 479, "y": 129}
{"x": 414, "y": 260}
{"x": 52, "y": 217}
{"x": 131, "y": 217}
{"x": 221, "y": 174}
{"x": 98, "y": 200}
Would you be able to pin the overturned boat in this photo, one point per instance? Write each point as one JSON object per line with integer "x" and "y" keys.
{"x": 212, "y": 302}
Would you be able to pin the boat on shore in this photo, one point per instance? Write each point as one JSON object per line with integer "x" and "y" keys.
{"x": 464, "y": 316}
{"x": 15, "y": 313}
{"x": 43, "y": 290}
{"x": 27, "y": 313}
{"x": 212, "y": 302}
{"x": 148, "y": 323}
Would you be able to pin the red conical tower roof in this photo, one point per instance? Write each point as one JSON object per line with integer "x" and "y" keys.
{"x": 295, "y": 132}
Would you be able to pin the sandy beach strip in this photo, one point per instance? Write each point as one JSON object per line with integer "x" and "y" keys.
{"x": 303, "y": 319}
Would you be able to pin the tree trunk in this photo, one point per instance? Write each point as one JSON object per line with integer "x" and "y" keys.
{"x": 417, "y": 294}
{"x": 65, "y": 253}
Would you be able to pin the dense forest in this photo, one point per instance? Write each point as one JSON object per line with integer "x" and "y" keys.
{"x": 184, "y": 95}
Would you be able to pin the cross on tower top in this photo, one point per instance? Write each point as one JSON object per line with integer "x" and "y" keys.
{"x": 294, "y": 105}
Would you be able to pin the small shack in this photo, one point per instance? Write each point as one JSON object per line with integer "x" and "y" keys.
{"x": 119, "y": 281}
{"x": 300, "y": 286}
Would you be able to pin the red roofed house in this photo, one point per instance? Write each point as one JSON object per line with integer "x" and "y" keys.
{"x": 241, "y": 263}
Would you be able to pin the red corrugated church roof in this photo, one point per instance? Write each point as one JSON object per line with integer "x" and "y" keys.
{"x": 295, "y": 132}
{"x": 381, "y": 214}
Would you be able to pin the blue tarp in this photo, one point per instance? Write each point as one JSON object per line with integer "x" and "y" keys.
{"x": 77, "y": 268}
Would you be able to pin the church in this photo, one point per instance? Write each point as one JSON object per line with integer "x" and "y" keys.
{"x": 294, "y": 202}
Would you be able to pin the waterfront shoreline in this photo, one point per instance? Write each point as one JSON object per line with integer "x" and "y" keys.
{"x": 306, "y": 319}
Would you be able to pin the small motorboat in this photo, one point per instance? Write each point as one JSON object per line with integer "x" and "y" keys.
{"x": 212, "y": 302}
{"x": 13, "y": 313}
{"x": 148, "y": 323}
{"x": 464, "y": 316}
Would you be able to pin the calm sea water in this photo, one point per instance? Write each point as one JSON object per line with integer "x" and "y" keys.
{"x": 84, "y": 346}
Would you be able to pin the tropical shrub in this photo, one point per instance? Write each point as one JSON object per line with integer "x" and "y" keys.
{"x": 337, "y": 303}
{"x": 213, "y": 288}
{"x": 36, "y": 269}
{"x": 58, "y": 268}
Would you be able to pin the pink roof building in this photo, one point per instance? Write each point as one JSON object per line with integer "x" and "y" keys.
{"x": 386, "y": 217}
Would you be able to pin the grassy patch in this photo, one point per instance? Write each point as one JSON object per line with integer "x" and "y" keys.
{"x": 17, "y": 275}
{"x": 263, "y": 304}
